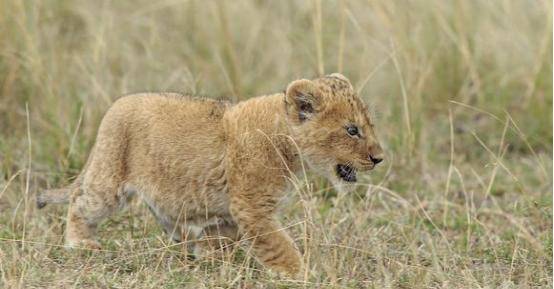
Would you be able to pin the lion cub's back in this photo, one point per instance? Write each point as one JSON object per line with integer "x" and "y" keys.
{"x": 170, "y": 134}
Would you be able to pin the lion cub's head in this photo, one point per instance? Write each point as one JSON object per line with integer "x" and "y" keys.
{"x": 332, "y": 127}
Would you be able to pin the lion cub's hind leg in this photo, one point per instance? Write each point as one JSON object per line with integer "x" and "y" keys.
{"x": 90, "y": 205}
{"x": 102, "y": 191}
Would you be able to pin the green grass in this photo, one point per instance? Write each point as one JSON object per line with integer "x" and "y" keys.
{"x": 462, "y": 96}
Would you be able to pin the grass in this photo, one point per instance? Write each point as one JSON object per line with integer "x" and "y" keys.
{"x": 462, "y": 94}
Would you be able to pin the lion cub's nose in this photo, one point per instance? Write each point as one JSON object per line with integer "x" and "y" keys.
{"x": 376, "y": 154}
{"x": 376, "y": 159}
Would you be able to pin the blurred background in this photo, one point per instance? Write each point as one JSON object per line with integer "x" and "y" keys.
{"x": 461, "y": 92}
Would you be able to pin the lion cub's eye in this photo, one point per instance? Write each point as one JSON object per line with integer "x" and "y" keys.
{"x": 353, "y": 130}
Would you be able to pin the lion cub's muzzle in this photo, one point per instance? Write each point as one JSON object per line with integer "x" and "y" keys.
{"x": 347, "y": 173}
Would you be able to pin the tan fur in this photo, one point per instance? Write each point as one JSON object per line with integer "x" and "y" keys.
{"x": 208, "y": 168}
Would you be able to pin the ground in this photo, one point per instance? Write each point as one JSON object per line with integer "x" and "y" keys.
{"x": 462, "y": 92}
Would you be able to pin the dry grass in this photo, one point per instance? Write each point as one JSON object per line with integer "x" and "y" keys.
{"x": 462, "y": 91}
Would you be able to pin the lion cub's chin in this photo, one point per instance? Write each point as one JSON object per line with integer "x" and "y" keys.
{"x": 341, "y": 186}
{"x": 329, "y": 173}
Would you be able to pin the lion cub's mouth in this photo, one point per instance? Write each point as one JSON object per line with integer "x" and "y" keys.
{"x": 346, "y": 173}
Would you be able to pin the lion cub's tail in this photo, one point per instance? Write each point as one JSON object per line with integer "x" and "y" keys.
{"x": 57, "y": 196}
{"x": 53, "y": 196}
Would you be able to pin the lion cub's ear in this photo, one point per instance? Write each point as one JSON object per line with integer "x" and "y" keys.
{"x": 302, "y": 99}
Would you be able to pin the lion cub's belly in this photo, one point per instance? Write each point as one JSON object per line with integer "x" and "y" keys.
{"x": 179, "y": 221}
{"x": 184, "y": 209}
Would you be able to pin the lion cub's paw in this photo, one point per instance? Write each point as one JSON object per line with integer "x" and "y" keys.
{"x": 294, "y": 269}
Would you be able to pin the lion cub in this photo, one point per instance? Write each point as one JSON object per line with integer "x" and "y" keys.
{"x": 210, "y": 169}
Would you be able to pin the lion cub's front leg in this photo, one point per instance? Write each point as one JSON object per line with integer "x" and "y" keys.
{"x": 270, "y": 243}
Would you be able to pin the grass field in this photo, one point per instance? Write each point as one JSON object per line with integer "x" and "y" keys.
{"x": 462, "y": 96}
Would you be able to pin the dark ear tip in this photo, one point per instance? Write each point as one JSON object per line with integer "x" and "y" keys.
{"x": 41, "y": 204}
